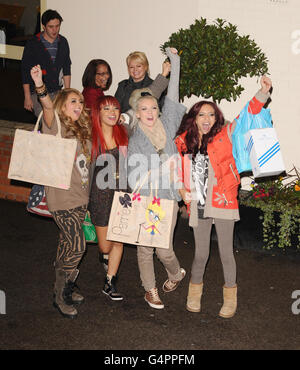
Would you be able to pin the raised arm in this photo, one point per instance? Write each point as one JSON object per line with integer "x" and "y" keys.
{"x": 261, "y": 96}
{"x": 173, "y": 88}
{"x": 42, "y": 94}
{"x": 160, "y": 83}
{"x": 257, "y": 102}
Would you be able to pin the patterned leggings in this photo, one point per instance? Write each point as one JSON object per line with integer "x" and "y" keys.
{"x": 71, "y": 246}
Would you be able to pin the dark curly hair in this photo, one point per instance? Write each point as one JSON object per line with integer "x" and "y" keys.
{"x": 188, "y": 124}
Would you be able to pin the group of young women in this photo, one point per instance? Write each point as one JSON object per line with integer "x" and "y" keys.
{"x": 208, "y": 178}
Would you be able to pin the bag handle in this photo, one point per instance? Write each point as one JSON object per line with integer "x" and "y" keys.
{"x": 57, "y": 121}
{"x": 255, "y": 115}
{"x": 138, "y": 188}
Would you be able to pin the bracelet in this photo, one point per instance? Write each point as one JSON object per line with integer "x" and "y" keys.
{"x": 42, "y": 94}
{"x": 39, "y": 88}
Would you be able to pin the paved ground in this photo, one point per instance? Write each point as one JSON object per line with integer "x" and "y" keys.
{"x": 264, "y": 319}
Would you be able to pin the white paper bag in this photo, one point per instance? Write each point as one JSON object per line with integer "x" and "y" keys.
{"x": 264, "y": 151}
{"x": 42, "y": 159}
{"x": 142, "y": 220}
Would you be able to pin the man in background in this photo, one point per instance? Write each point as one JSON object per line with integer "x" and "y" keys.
{"x": 51, "y": 51}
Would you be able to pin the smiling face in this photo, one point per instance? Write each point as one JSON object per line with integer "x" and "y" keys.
{"x": 205, "y": 119}
{"x": 73, "y": 106}
{"x": 147, "y": 111}
{"x": 137, "y": 70}
{"x": 109, "y": 115}
{"x": 102, "y": 75}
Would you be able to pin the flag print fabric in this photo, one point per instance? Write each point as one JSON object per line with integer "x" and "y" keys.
{"x": 37, "y": 201}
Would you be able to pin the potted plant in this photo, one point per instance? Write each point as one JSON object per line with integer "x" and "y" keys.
{"x": 278, "y": 199}
{"x": 213, "y": 59}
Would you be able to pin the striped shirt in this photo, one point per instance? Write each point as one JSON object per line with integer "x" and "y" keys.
{"x": 51, "y": 47}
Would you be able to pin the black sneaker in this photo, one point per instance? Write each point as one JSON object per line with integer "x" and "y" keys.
{"x": 110, "y": 289}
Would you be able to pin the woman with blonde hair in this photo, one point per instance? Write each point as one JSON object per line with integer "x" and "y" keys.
{"x": 68, "y": 207}
{"x": 138, "y": 70}
{"x": 152, "y": 142}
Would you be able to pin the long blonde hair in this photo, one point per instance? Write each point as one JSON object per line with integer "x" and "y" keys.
{"x": 81, "y": 128}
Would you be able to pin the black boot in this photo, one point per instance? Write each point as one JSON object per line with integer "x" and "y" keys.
{"x": 110, "y": 289}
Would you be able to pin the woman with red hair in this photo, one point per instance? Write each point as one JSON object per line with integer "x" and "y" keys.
{"x": 107, "y": 139}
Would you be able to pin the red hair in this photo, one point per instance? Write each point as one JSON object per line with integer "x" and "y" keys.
{"x": 119, "y": 131}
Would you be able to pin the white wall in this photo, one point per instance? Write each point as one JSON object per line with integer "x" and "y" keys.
{"x": 112, "y": 29}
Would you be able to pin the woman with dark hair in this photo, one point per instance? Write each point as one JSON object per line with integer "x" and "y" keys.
{"x": 107, "y": 138}
{"x": 96, "y": 78}
{"x": 210, "y": 189}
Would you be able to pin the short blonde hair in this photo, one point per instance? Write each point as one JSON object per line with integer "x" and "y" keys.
{"x": 139, "y": 94}
{"x": 140, "y": 56}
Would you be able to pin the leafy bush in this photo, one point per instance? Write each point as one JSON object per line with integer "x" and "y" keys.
{"x": 279, "y": 197}
{"x": 214, "y": 58}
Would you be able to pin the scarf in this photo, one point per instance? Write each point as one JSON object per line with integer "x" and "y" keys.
{"x": 156, "y": 135}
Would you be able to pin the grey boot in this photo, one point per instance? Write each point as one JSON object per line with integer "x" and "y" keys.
{"x": 76, "y": 297}
{"x": 63, "y": 295}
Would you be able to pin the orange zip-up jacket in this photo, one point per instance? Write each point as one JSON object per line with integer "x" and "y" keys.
{"x": 222, "y": 161}
{"x": 221, "y": 158}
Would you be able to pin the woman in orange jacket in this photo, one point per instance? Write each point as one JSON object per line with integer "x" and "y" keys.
{"x": 210, "y": 188}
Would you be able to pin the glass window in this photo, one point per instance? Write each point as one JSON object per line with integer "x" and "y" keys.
{"x": 19, "y": 21}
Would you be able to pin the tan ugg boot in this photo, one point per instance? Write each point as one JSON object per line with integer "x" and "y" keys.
{"x": 193, "y": 303}
{"x": 229, "y": 302}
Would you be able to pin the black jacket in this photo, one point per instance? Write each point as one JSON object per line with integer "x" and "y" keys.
{"x": 126, "y": 87}
{"x": 35, "y": 53}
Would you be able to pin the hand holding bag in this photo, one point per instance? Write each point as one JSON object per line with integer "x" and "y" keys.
{"x": 42, "y": 159}
{"x": 142, "y": 220}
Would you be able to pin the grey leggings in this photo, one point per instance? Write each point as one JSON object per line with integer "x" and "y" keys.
{"x": 224, "y": 229}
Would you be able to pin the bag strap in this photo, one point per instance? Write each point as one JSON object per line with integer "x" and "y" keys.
{"x": 57, "y": 121}
{"x": 256, "y": 115}
{"x": 138, "y": 188}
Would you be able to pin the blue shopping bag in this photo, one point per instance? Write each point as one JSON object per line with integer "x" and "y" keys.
{"x": 245, "y": 122}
